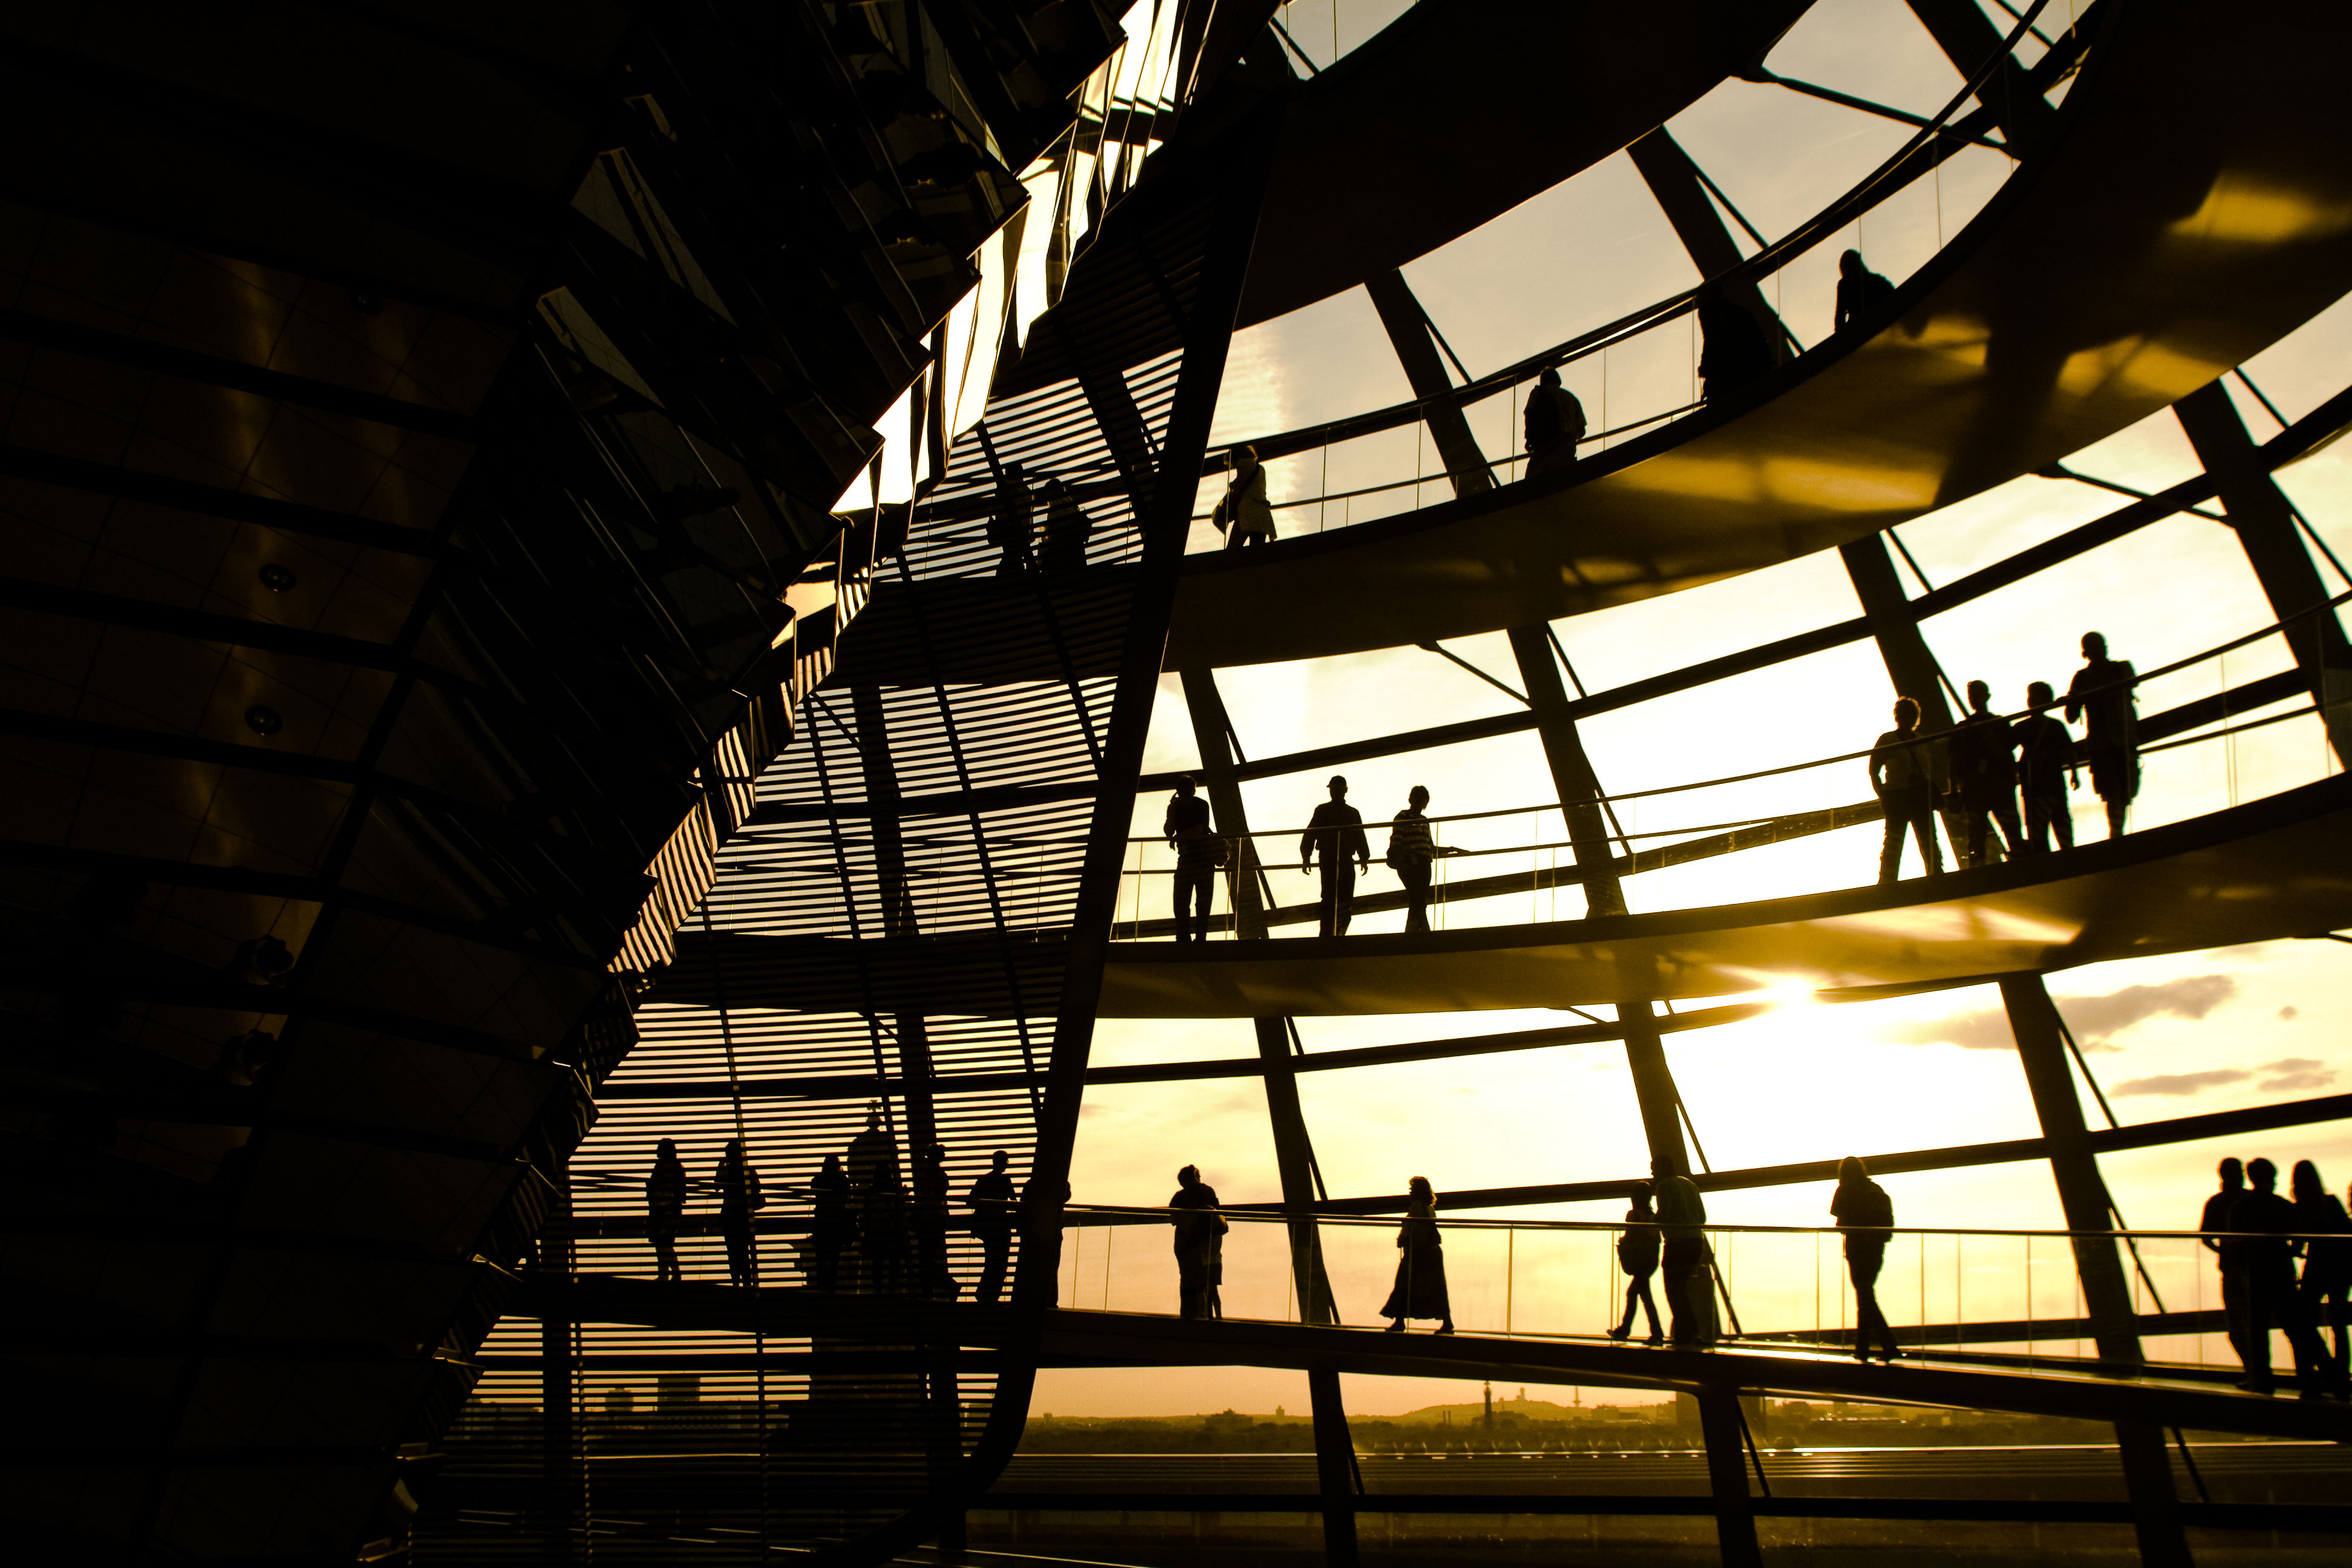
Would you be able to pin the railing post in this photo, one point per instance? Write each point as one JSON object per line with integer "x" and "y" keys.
{"x": 2265, "y": 529}
{"x": 2083, "y": 1198}
{"x": 1571, "y": 771}
{"x": 559, "y": 1386}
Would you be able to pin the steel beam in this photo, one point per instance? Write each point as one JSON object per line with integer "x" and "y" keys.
{"x": 1726, "y": 1437}
{"x": 1571, "y": 769}
{"x": 1968, "y": 38}
{"x": 1411, "y": 335}
{"x": 2106, "y": 1295}
{"x": 1335, "y": 1469}
{"x": 1675, "y": 181}
{"x": 2265, "y": 523}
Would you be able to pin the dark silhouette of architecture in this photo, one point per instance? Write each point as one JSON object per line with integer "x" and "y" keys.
{"x": 2266, "y": 1221}
{"x": 1200, "y": 1241}
{"x": 992, "y": 1200}
{"x": 2230, "y": 1258}
{"x": 1637, "y": 1255}
{"x": 1335, "y": 835}
{"x": 2102, "y": 696}
{"x": 1244, "y": 513}
{"x": 1860, "y": 291}
{"x": 1554, "y": 424}
{"x": 737, "y": 1183}
{"x": 1734, "y": 352}
{"x": 1686, "y": 1261}
{"x": 2045, "y": 750}
{"x": 2327, "y": 1269}
{"x": 1410, "y": 853}
{"x": 1866, "y": 1216}
{"x": 1908, "y": 773}
{"x": 832, "y": 1225}
{"x": 1200, "y": 854}
{"x": 665, "y": 1207}
{"x": 1419, "y": 1289}
{"x": 1984, "y": 773}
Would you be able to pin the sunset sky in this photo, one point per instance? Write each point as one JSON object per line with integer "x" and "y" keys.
{"x": 2167, "y": 1037}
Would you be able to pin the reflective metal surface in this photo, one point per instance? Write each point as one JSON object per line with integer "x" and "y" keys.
{"x": 2187, "y": 216}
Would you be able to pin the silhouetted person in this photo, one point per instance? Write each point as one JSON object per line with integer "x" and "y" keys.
{"x": 738, "y": 1186}
{"x": 1199, "y": 853}
{"x": 931, "y": 1212}
{"x": 991, "y": 1199}
{"x": 1554, "y": 423}
{"x": 1246, "y": 515}
{"x": 1637, "y": 1255}
{"x": 1419, "y": 1289}
{"x": 2100, "y": 695}
{"x": 832, "y": 1226}
{"x": 884, "y": 1230}
{"x": 1984, "y": 769}
{"x": 1733, "y": 350}
{"x": 2276, "y": 1295}
{"x": 1039, "y": 1283}
{"x": 665, "y": 1207}
{"x": 1687, "y": 1258}
{"x": 1011, "y": 526}
{"x": 1200, "y": 1245}
{"x": 1336, "y": 833}
{"x": 2045, "y": 768}
{"x": 2327, "y": 1269}
{"x": 1904, "y": 773}
{"x": 1866, "y": 1215}
{"x": 1411, "y": 851}
{"x": 1860, "y": 291}
{"x": 1067, "y": 529}
{"x": 2237, "y": 1291}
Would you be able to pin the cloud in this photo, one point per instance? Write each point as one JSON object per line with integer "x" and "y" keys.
{"x": 2097, "y": 1017}
{"x": 2093, "y": 1019}
{"x": 2295, "y": 1072}
{"x": 2180, "y": 1082}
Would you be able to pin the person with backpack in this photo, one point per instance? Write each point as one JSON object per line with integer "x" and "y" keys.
{"x": 1637, "y": 1255}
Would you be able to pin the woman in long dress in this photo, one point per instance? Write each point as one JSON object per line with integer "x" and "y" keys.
{"x": 1421, "y": 1273}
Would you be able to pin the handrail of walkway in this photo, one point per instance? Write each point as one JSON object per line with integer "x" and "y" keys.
{"x": 1937, "y": 737}
{"x": 1935, "y": 136}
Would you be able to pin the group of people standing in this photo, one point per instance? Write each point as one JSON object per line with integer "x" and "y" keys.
{"x": 1024, "y": 542}
{"x": 1980, "y": 769}
{"x": 1333, "y": 842}
{"x": 2256, "y": 1236}
{"x": 868, "y": 1228}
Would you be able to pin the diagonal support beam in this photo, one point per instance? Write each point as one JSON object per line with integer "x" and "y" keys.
{"x": 2106, "y": 1294}
{"x": 1675, "y": 181}
{"x": 1410, "y": 332}
{"x": 1293, "y": 1150}
{"x": 2264, "y": 521}
{"x": 1571, "y": 769}
{"x": 1968, "y": 38}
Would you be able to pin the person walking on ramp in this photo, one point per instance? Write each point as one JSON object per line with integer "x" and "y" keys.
{"x": 1866, "y": 1215}
{"x": 1637, "y": 1255}
{"x": 1420, "y": 1290}
{"x": 1336, "y": 832}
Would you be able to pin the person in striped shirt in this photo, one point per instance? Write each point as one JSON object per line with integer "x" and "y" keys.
{"x": 1411, "y": 850}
